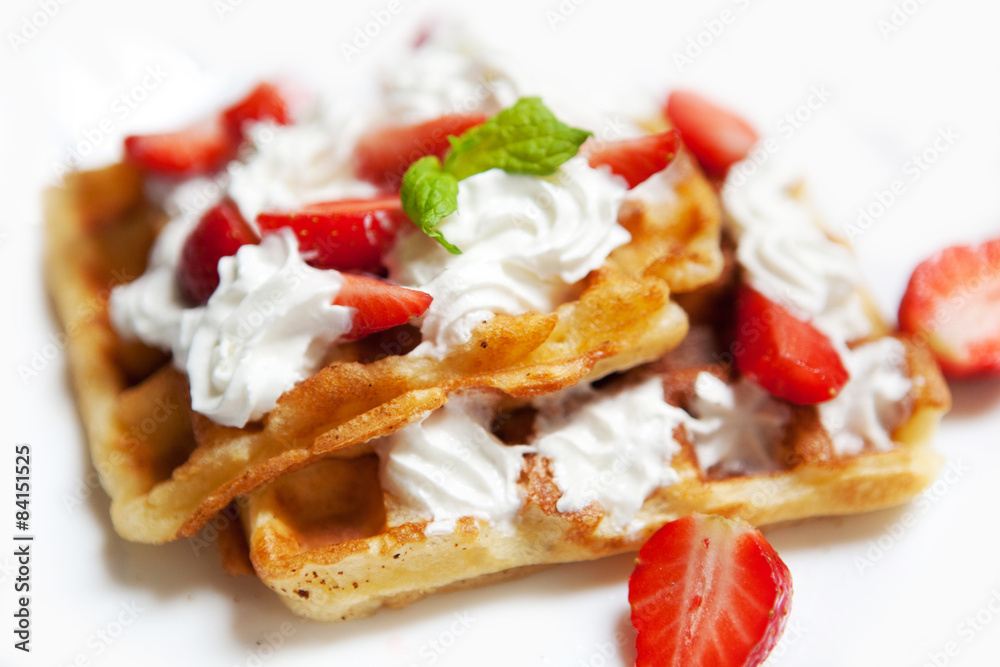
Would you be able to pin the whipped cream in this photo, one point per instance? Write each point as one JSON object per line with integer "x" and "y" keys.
{"x": 872, "y": 403}
{"x": 268, "y": 325}
{"x": 613, "y": 449}
{"x": 789, "y": 259}
{"x": 525, "y": 242}
{"x": 449, "y": 465}
{"x": 737, "y": 426}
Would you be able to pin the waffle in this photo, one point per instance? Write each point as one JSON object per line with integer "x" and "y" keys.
{"x": 169, "y": 470}
{"x": 335, "y": 546}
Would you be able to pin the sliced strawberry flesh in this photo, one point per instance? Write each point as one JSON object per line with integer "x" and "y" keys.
{"x": 637, "y": 159}
{"x": 383, "y": 155}
{"x": 347, "y": 235}
{"x": 716, "y": 137}
{"x": 380, "y": 305}
{"x": 708, "y": 591}
{"x": 952, "y": 301}
{"x": 264, "y": 102}
{"x": 197, "y": 150}
{"x": 220, "y": 233}
{"x": 788, "y": 357}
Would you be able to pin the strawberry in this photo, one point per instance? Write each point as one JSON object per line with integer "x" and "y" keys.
{"x": 207, "y": 146}
{"x": 220, "y": 233}
{"x": 789, "y": 358}
{"x": 708, "y": 591}
{"x": 717, "y": 137}
{"x": 383, "y": 155}
{"x": 635, "y": 160}
{"x": 200, "y": 149}
{"x": 347, "y": 235}
{"x": 380, "y": 305}
{"x": 953, "y": 302}
{"x": 262, "y": 103}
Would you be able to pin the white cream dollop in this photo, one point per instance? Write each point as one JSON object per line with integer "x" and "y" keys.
{"x": 614, "y": 449}
{"x": 449, "y": 465}
{"x": 737, "y": 426}
{"x": 872, "y": 403}
{"x": 525, "y": 242}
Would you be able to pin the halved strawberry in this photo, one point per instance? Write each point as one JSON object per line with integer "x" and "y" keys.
{"x": 716, "y": 136}
{"x": 708, "y": 591}
{"x": 220, "y": 233}
{"x": 206, "y": 146}
{"x": 347, "y": 235}
{"x": 953, "y": 302}
{"x": 637, "y": 159}
{"x": 262, "y": 103}
{"x": 200, "y": 149}
{"x": 789, "y": 358}
{"x": 383, "y": 155}
{"x": 380, "y": 305}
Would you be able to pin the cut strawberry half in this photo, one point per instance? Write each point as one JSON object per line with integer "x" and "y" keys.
{"x": 708, "y": 591}
{"x": 382, "y": 156}
{"x": 788, "y": 357}
{"x": 220, "y": 233}
{"x": 200, "y": 149}
{"x": 347, "y": 235}
{"x": 716, "y": 137}
{"x": 953, "y": 302}
{"x": 207, "y": 146}
{"x": 637, "y": 159}
{"x": 264, "y": 102}
{"x": 380, "y": 305}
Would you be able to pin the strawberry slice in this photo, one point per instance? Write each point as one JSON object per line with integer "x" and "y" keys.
{"x": 380, "y": 305}
{"x": 207, "y": 146}
{"x": 637, "y": 159}
{"x": 717, "y": 137}
{"x": 383, "y": 155}
{"x": 708, "y": 591}
{"x": 789, "y": 358}
{"x": 953, "y": 302}
{"x": 200, "y": 149}
{"x": 262, "y": 103}
{"x": 347, "y": 235}
{"x": 220, "y": 233}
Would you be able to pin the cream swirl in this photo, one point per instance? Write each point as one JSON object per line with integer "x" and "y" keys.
{"x": 525, "y": 242}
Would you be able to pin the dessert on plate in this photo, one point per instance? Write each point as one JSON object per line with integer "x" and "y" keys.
{"x": 445, "y": 334}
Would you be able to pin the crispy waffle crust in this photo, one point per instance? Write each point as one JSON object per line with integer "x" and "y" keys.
{"x": 169, "y": 470}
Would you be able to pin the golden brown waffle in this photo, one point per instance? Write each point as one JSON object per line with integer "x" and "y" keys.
{"x": 334, "y": 546}
{"x": 168, "y": 470}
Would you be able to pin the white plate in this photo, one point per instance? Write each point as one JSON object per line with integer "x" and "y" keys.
{"x": 918, "y": 585}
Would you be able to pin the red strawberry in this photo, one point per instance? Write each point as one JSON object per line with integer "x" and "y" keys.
{"x": 200, "y": 149}
{"x": 383, "y": 155}
{"x": 716, "y": 136}
{"x": 708, "y": 592}
{"x": 347, "y": 235}
{"x": 263, "y": 103}
{"x": 635, "y": 160}
{"x": 789, "y": 358}
{"x": 380, "y": 305}
{"x": 953, "y": 302}
{"x": 220, "y": 233}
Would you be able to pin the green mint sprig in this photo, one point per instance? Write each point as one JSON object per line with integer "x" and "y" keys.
{"x": 523, "y": 139}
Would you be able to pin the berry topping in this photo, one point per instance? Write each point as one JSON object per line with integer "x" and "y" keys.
{"x": 263, "y": 103}
{"x": 220, "y": 233}
{"x": 347, "y": 235}
{"x": 637, "y": 159}
{"x": 788, "y": 357}
{"x": 380, "y": 305}
{"x": 708, "y": 591}
{"x": 953, "y": 302}
{"x": 717, "y": 137}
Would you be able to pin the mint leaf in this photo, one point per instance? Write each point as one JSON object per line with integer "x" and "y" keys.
{"x": 523, "y": 139}
{"x": 429, "y": 195}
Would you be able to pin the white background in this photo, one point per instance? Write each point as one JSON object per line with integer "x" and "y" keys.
{"x": 97, "y": 600}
